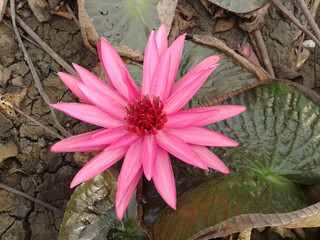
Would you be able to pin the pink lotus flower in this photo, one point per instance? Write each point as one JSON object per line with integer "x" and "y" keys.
{"x": 144, "y": 126}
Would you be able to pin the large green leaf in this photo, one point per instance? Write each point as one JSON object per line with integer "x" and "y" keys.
{"x": 279, "y": 137}
{"x": 91, "y": 214}
{"x": 124, "y": 22}
{"x": 240, "y": 6}
{"x": 224, "y": 79}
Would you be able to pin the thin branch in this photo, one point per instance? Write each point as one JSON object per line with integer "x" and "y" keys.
{"x": 22, "y": 194}
{"x": 72, "y": 14}
{"x": 39, "y": 123}
{"x": 26, "y": 38}
{"x": 264, "y": 53}
{"x": 309, "y": 18}
{"x": 34, "y": 72}
{"x": 45, "y": 46}
{"x": 295, "y": 21}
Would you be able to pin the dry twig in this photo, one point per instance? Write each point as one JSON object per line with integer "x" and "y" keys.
{"x": 34, "y": 72}
{"x": 295, "y": 21}
{"x": 264, "y": 53}
{"x": 39, "y": 123}
{"x": 45, "y": 46}
{"x": 72, "y": 14}
{"x": 22, "y": 194}
{"x": 309, "y": 18}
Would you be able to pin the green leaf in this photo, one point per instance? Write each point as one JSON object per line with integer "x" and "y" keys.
{"x": 279, "y": 138}
{"x": 124, "y": 22}
{"x": 240, "y": 6}
{"x": 224, "y": 79}
{"x": 91, "y": 214}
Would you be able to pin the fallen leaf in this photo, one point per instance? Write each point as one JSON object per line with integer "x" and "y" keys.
{"x": 166, "y": 10}
{"x": 7, "y": 150}
{"x": 283, "y": 72}
{"x": 304, "y": 55}
{"x": 10, "y": 100}
{"x": 40, "y": 9}
{"x": 224, "y": 24}
{"x": 256, "y": 19}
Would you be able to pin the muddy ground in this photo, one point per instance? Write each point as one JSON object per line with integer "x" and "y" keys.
{"x": 45, "y": 175}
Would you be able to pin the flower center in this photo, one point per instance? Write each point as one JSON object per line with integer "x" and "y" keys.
{"x": 146, "y": 116}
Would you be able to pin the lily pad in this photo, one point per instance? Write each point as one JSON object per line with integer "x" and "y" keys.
{"x": 91, "y": 213}
{"x": 279, "y": 138}
{"x": 224, "y": 79}
{"x": 124, "y": 22}
{"x": 240, "y": 6}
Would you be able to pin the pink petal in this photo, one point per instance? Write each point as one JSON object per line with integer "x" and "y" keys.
{"x": 104, "y": 102}
{"x": 202, "y": 136}
{"x": 206, "y": 64}
{"x": 164, "y": 180}
{"x": 64, "y": 145}
{"x": 176, "y": 51}
{"x": 162, "y": 40}
{"x": 116, "y": 71}
{"x": 179, "y": 149}
{"x": 219, "y": 113}
{"x": 126, "y": 197}
{"x": 130, "y": 171}
{"x": 124, "y": 141}
{"x": 159, "y": 82}
{"x": 104, "y": 137}
{"x": 150, "y": 63}
{"x": 98, "y": 164}
{"x": 93, "y": 82}
{"x": 186, "y": 118}
{"x": 71, "y": 82}
{"x": 149, "y": 156}
{"x": 210, "y": 159}
{"x": 189, "y": 84}
{"x": 88, "y": 113}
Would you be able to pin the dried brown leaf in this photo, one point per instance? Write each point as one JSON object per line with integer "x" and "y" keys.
{"x": 166, "y": 10}
{"x": 303, "y": 56}
{"x": 9, "y": 100}
{"x": 256, "y": 19}
{"x": 241, "y": 61}
{"x": 224, "y": 24}
{"x": 304, "y": 218}
{"x": 40, "y": 9}
{"x": 62, "y": 12}
{"x": 7, "y": 150}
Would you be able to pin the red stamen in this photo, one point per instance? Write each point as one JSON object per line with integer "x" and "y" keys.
{"x": 146, "y": 116}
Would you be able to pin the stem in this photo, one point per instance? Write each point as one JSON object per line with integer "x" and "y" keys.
{"x": 39, "y": 123}
{"x": 264, "y": 53}
{"x": 34, "y": 72}
{"x": 22, "y": 194}
{"x": 309, "y": 18}
{"x": 295, "y": 21}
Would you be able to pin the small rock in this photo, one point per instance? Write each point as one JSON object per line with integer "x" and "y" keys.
{"x": 15, "y": 232}
{"x": 19, "y": 69}
{"x": 45, "y": 68}
{"x": 16, "y": 205}
{"x": 40, "y": 226}
{"x": 17, "y": 82}
{"x": 5, "y": 222}
{"x": 31, "y": 131}
{"x": 5, "y": 75}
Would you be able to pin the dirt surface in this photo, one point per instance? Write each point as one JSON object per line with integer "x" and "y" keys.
{"x": 35, "y": 170}
{"x": 45, "y": 175}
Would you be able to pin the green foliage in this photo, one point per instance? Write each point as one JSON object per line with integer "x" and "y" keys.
{"x": 124, "y": 22}
{"x": 278, "y": 138}
{"x": 240, "y": 6}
